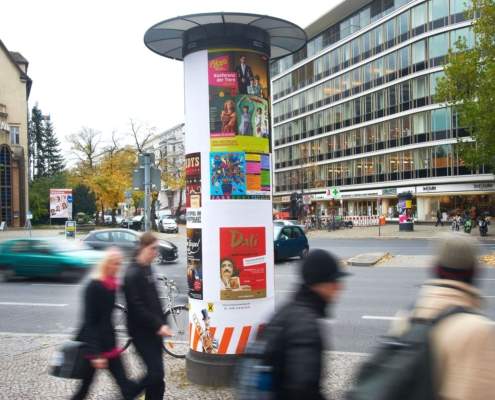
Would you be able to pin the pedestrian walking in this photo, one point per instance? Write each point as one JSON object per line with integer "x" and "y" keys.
{"x": 97, "y": 330}
{"x": 441, "y": 349}
{"x": 439, "y": 217}
{"x": 146, "y": 321}
{"x": 297, "y": 346}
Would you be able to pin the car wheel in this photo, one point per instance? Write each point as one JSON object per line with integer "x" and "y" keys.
{"x": 160, "y": 259}
{"x": 6, "y": 274}
{"x": 304, "y": 253}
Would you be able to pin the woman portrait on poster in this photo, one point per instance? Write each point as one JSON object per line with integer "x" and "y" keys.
{"x": 245, "y": 125}
{"x": 228, "y": 117}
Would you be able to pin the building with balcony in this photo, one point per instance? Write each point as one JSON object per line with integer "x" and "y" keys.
{"x": 356, "y": 110}
{"x": 168, "y": 147}
{"x": 15, "y": 86}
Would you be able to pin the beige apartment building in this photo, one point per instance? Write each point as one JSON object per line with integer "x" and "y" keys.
{"x": 15, "y": 86}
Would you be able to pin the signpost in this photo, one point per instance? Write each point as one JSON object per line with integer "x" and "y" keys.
{"x": 146, "y": 178}
{"x": 70, "y": 229}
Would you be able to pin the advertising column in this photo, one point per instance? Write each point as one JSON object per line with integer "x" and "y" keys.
{"x": 228, "y": 197}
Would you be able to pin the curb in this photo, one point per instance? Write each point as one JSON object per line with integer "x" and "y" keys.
{"x": 367, "y": 259}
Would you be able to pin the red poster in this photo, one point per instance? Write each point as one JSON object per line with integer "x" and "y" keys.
{"x": 193, "y": 180}
{"x": 242, "y": 263}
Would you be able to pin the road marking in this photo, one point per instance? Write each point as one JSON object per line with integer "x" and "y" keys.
{"x": 55, "y": 285}
{"x": 7, "y": 303}
{"x": 379, "y": 317}
{"x": 22, "y": 334}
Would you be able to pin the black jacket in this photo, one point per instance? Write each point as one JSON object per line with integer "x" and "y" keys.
{"x": 298, "y": 351}
{"x": 97, "y": 330}
{"x": 144, "y": 308}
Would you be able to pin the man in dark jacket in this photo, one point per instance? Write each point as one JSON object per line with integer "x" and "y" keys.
{"x": 146, "y": 321}
{"x": 297, "y": 361}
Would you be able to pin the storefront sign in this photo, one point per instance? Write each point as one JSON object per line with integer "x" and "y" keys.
{"x": 468, "y": 187}
{"x": 389, "y": 191}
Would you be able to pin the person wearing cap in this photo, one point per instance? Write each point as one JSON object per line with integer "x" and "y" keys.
{"x": 464, "y": 343}
{"x": 297, "y": 360}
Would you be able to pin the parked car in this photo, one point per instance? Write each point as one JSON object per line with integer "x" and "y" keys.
{"x": 128, "y": 240}
{"x": 285, "y": 222}
{"x": 135, "y": 223}
{"x": 59, "y": 257}
{"x": 167, "y": 225}
{"x": 289, "y": 241}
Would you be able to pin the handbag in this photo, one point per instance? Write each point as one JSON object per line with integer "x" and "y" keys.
{"x": 70, "y": 361}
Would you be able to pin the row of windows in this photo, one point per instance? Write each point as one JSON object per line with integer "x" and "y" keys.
{"x": 426, "y": 162}
{"x": 418, "y": 56}
{"x": 421, "y": 127}
{"x": 5, "y": 184}
{"x": 426, "y": 16}
{"x": 413, "y": 93}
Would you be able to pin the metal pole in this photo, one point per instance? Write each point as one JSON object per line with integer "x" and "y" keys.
{"x": 147, "y": 186}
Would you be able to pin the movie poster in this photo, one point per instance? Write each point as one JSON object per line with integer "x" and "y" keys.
{"x": 61, "y": 203}
{"x": 239, "y": 114}
{"x": 194, "y": 264}
{"x": 242, "y": 263}
{"x": 193, "y": 180}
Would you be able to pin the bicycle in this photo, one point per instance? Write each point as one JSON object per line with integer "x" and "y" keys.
{"x": 177, "y": 318}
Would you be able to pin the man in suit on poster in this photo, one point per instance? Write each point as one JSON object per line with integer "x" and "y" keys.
{"x": 244, "y": 75}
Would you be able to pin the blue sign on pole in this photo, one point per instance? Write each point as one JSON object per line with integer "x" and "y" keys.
{"x": 69, "y": 198}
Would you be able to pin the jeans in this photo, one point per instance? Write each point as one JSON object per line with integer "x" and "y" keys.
{"x": 127, "y": 387}
{"x": 150, "y": 350}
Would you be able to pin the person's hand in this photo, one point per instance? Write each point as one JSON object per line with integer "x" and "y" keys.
{"x": 99, "y": 363}
{"x": 164, "y": 331}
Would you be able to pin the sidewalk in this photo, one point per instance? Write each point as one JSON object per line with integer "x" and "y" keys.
{"x": 24, "y": 360}
{"x": 391, "y": 231}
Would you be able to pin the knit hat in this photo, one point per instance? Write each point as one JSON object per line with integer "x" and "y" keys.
{"x": 457, "y": 258}
{"x": 321, "y": 266}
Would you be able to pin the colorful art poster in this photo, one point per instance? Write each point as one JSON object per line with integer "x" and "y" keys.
{"x": 228, "y": 175}
{"x": 203, "y": 334}
{"x": 193, "y": 180}
{"x": 242, "y": 263}
{"x": 194, "y": 264}
{"x": 61, "y": 203}
{"x": 258, "y": 175}
{"x": 239, "y": 108}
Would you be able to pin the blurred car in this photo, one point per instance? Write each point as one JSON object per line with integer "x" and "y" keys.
{"x": 45, "y": 258}
{"x": 135, "y": 223}
{"x": 289, "y": 241}
{"x": 285, "y": 222}
{"x": 128, "y": 240}
{"x": 167, "y": 225}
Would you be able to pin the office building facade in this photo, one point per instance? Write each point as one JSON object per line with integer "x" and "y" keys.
{"x": 356, "y": 111}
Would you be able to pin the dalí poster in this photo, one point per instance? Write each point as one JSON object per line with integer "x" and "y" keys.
{"x": 239, "y": 117}
{"x": 242, "y": 270}
{"x": 194, "y": 264}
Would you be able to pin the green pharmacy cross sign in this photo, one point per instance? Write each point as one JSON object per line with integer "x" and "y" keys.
{"x": 334, "y": 193}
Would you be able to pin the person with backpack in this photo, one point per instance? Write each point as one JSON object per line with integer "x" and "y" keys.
{"x": 289, "y": 352}
{"x": 442, "y": 349}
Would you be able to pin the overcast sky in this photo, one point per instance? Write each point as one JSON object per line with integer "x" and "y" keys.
{"x": 90, "y": 67}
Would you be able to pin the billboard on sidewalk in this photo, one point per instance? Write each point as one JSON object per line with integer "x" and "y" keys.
{"x": 61, "y": 203}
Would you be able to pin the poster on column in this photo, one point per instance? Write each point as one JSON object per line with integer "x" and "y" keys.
{"x": 242, "y": 263}
{"x": 61, "y": 203}
{"x": 194, "y": 264}
{"x": 239, "y": 116}
{"x": 193, "y": 180}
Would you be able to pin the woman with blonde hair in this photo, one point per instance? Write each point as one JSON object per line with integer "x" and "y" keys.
{"x": 97, "y": 330}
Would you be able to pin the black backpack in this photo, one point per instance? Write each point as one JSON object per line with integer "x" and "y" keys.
{"x": 254, "y": 375}
{"x": 402, "y": 367}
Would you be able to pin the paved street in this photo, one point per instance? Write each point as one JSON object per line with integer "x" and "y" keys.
{"x": 372, "y": 295}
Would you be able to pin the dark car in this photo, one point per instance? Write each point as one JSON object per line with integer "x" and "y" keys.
{"x": 127, "y": 240}
{"x": 134, "y": 223}
{"x": 46, "y": 258}
{"x": 289, "y": 241}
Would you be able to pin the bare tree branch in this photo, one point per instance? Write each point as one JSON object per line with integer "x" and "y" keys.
{"x": 85, "y": 145}
{"x": 141, "y": 134}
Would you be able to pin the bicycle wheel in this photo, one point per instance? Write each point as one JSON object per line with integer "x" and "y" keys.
{"x": 119, "y": 319}
{"x": 178, "y": 321}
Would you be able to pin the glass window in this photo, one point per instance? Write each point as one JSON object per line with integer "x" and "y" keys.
{"x": 462, "y": 34}
{"x": 419, "y": 123}
{"x": 392, "y": 99}
{"x": 433, "y": 82}
{"x": 419, "y": 88}
{"x": 458, "y": 10}
{"x": 438, "y": 13}
{"x": 438, "y": 47}
{"x": 377, "y": 39}
{"x": 364, "y": 17}
{"x": 346, "y": 55}
{"x": 356, "y": 52}
{"x": 391, "y": 67}
{"x": 355, "y": 23}
{"x": 367, "y": 76}
{"x": 390, "y": 33}
{"x": 418, "y": 55}
{"x": 403, "y": 26}
{"x": 404, "y": 61}
{"x": 356, "y": 80}
{"x": 366, "y": 45}
{"x": 14, "y": 134}
{"x": 377, "y": 70}
{"x": 419, "y": 19}
{"x": 440, "y": 120}
{"x": 345, "y": 28}
{"x": 405, "y": 96}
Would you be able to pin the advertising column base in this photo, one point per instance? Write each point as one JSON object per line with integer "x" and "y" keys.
{"x": 210, "y": 369}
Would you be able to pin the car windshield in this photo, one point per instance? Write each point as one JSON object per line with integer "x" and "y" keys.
{"x": 168, "y": 220}
{"x": 276, "y": 231}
